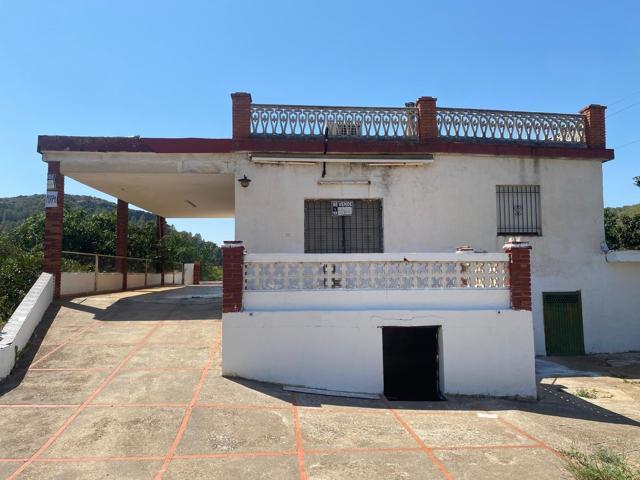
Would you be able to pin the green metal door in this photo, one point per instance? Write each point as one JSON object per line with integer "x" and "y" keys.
{"x": 563, "y": 323}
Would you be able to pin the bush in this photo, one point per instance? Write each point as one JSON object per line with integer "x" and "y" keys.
{"x": 622, "y": 229}
{"x": 19, "y": 269}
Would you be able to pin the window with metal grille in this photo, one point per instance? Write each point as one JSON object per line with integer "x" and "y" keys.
{"x": 518, "y": 209}
{"x": 343, "y": 226}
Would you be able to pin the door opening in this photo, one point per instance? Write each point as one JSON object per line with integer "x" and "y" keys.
{"x": 410, "y": 357}
{"x": 563, "y": 332}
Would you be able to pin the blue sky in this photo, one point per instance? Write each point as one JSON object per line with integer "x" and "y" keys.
{"x": 165, "y": 69}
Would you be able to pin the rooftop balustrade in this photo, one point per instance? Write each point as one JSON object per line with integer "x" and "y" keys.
{"x": 417, "y": 122}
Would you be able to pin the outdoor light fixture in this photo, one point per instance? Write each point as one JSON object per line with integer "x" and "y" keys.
{"x": 244, "y": 181}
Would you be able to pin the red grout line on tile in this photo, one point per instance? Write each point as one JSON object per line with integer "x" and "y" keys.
{"x": 48, "y": 354}
{"x": 435, "y": 460}
{"x": 360, "y": 410}
{"x": 94, "y": 369}
{"x": 187, "y": 413}
{"x": 121, "y": 458}
{"x": 532, "y": 438}
{"x": 79, "y": 410}
{"x": 15, "y": 460}
{"x": 298, "y": 436}
{"x": 203, "y": 456}
{"x": 488, "y": 447}
{"x": 137, "y": 405}
{"x": 240, "y": 406}
{"x": 337, "y": 451}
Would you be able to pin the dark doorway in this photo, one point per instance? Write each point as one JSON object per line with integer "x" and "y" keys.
{"x": 563, "y": 334}
{"x": 411, "y": 363}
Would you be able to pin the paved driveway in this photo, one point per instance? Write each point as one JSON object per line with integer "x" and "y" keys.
{"x": 128, "y": 386}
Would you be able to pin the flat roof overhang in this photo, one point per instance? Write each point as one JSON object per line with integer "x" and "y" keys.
{"x": 172, "y": 186}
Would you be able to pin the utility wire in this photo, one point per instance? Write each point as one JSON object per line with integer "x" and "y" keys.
{"x": 627, "y": 144}
{"x": 623, "y": 98}
{"x": 623, "y": 109}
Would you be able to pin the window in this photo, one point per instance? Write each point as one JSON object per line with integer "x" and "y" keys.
{"x": 343, "y": 226}
{"x": 518, "y": 208}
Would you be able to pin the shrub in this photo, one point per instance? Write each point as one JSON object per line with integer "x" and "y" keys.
{"x": 599, "y": 465}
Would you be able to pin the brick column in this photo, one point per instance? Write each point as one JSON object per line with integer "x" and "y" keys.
{"x": 595, "y": 131}
{"x": 241, "y": 114}
{"x": 54, "y": 205}
{"x": 232, "y": 276}
{"x": 161, "y": 226}
{"x": 519, "y": 273}
{"x": 122, "y": 234}
{"x": 427, "y": 128}
{"x": 196, "y": 273}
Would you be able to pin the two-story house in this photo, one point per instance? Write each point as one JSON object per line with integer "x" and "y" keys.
{"x": 371, "y": 255}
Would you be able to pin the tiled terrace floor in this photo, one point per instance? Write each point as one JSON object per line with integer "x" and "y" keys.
{"x": 128, "y": 386}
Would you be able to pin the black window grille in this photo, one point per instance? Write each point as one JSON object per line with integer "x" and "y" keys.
{"x": 326, "y": 232}
{"x": 518, "y": 209}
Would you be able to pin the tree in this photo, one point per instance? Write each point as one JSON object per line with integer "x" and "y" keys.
{"x": 636, "y": 180}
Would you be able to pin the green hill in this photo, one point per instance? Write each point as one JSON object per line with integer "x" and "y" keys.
{"x": 14, "y": 210}
{"x": 626, "y": 210}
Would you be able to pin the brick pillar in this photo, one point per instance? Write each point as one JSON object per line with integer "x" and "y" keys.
{"x": 595, "y": 131}
{"x": 232, "y": 276}
{"x": 196, "y": 273}
{"x": 161, "y": 227}
{"x": 241, "y": 114}
{"x": 519, "y": 273}
{"x": 54, "y": 207}
{"x": 427, "y": 128}
{"x": 122, "y": 234}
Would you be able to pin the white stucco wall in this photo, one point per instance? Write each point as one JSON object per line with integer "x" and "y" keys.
{"x": 452, "y": 202}
{"x": 484, "y": 352}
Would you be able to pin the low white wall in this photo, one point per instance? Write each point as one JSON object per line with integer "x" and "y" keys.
{"x": 74, "y": 283}
{"x": 188, "y": 273}
{"x": 17, "y": 332}
{"x": 347, "y": 299}
{"x": 153, "y": 279}
{"x": 77, "y": 282}
{"x": 135, "y": 280}
{"x": 109, "y": 282}
{"x": 484, "y": 352}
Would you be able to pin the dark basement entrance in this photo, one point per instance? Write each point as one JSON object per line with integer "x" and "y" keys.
{"x": 410, "y": 363}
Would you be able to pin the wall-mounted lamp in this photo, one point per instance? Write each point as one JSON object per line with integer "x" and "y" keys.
{"x": 244, "y": 181}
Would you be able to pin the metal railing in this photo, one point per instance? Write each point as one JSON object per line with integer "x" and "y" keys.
{"x": 510, "y": 126}
{"x": 314, "y": 121}
{"x": 485, "y": 271}
{"x": 95, "y": 263}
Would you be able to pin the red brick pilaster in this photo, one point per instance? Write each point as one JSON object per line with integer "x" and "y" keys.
{"x": 595, "y": 131}
{"x": 241, "y": 114}
{"x": 519, "y": 274}
{"x": 196, "y": 273}
{"x": 54, "y": 207}
{"x": 161, "y": 227}
{"x": 122, "y": 235}
{"x": 232, "y": 276}
{"x": 427, "y": 127}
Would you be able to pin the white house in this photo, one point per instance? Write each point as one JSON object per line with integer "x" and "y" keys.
{"x": 350, "y": 274}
